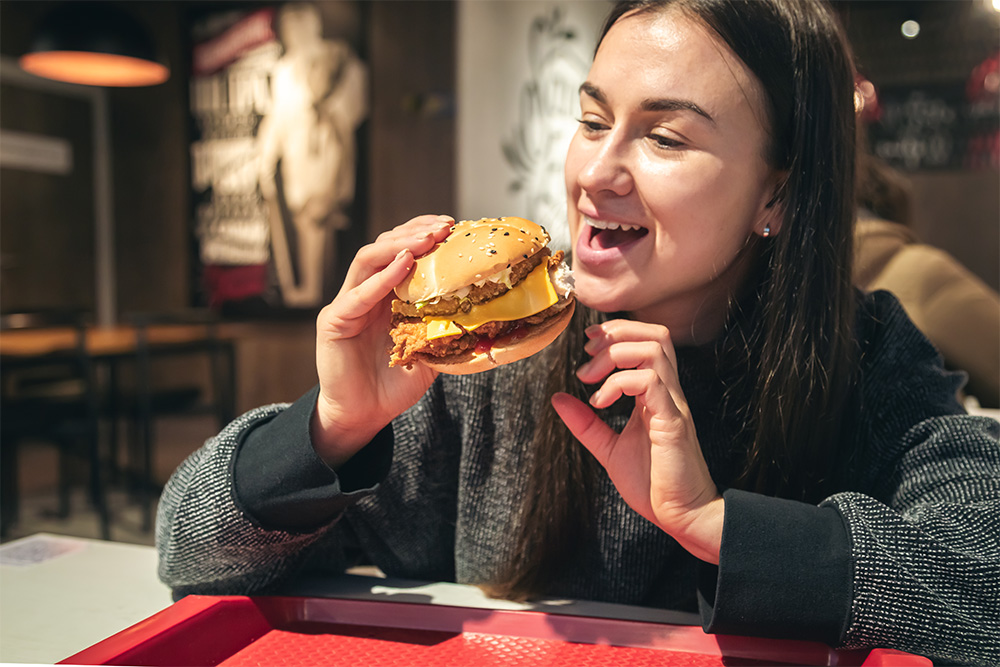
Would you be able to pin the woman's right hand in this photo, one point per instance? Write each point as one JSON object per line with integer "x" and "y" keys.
{"x": 359, "y": 392}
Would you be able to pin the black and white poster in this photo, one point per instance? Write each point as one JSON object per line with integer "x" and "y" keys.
{"x": 276, "y": 105}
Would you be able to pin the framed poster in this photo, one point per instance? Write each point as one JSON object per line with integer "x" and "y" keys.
{"x": 276, "y": 103}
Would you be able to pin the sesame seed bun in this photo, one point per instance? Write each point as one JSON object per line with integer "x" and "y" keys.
{"x": 474, "y": 251}
{"x": 489, "y": 294}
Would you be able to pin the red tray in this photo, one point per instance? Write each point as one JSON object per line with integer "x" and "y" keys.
{"x": 303, "y": 631}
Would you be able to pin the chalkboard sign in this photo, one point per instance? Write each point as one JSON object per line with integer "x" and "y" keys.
{"x": 921, "y": 128}
{"x": 932, "y": 128}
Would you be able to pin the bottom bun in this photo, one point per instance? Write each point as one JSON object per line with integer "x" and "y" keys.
{"x": 499, "y": 354}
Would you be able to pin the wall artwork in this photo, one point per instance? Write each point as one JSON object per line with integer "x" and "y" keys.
{"x": 945, "y": 126}
{"x": 276, "y": 105}
{"x": 535, "y": 149}
{"x": 517, "y": 113}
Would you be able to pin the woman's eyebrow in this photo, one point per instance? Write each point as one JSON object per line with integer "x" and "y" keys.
{"x": 653, "y": 104}
{"x": 671, "y": 104}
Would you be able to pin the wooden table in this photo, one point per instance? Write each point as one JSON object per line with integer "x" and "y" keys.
{"x": 109, "y": 346}
{"x": 103, "y": 342}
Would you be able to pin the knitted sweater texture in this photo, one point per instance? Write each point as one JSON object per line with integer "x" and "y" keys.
{"x": 917, "y": 515}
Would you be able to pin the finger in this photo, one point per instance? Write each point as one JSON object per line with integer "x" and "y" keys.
{"x": 418, "y": 236}
{"x": 644, "y": 384}
{"x": 601, "y": 336}
{"x": 585, "y": 426}
{"x": 645, "y": 355}
{"x": 642, "y": 354}
{"x": 348, "y": 313}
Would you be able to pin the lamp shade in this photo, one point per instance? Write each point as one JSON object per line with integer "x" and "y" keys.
{"x": 95, "y": 44}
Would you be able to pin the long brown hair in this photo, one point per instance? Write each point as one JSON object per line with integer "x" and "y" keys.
{"x": 791, "y": 338}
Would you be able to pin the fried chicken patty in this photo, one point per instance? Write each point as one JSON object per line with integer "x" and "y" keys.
{"x": 409, "y": 336}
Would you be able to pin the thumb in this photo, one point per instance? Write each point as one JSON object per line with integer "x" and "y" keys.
{"x": 585, "y": 425}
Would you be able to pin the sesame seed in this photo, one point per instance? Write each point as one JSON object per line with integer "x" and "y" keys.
{"x": 506, "y": 233}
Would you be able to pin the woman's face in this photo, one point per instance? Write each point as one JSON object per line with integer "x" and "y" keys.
{"x": 666, "y": 177}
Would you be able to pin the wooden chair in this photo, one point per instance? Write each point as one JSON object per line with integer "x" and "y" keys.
{"x": 51, "y": 398}
{"x": 151, "y": 399}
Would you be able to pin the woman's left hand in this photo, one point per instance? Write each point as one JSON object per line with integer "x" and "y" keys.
{"x": 656, "y": 462}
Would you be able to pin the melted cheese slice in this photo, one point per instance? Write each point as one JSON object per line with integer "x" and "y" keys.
{"x": 532, "y": 295}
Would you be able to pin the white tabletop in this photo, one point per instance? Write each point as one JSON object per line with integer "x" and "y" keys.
{"x": 59, "y": 595}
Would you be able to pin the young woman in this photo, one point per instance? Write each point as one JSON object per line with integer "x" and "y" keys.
{"x": 758, "y": 440}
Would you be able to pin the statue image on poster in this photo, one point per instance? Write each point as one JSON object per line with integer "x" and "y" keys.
{"x": 306, "y": 151}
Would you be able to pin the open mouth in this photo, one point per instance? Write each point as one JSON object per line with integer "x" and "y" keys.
{"x": 607, "y": 235}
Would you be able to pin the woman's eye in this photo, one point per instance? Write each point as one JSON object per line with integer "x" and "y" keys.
{"x": 591, "y": 125}
{"x": 663, "y": 141}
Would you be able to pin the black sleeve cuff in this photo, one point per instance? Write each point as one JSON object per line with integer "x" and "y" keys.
{"x": 282, "y": 484}
{"x": 785, "y": 571}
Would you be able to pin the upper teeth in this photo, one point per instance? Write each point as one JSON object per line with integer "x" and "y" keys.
{"x": 603, "y": 224}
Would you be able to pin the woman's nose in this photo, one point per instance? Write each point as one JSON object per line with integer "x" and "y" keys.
{"x": 607, "y": 169}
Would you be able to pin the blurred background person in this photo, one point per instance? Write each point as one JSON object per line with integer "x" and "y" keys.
{"x": 953, "y": 307}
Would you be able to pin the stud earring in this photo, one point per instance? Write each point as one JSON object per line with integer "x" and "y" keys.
{"x": 766, "y": 232}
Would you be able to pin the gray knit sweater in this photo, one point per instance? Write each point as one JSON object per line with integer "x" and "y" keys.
{"x": 906, "y": 555}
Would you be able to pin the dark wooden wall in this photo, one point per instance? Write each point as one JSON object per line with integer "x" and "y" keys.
{"x": 150, "y": 175}
{"x": 47, "y": 220}
{"x": 412, "y": 56}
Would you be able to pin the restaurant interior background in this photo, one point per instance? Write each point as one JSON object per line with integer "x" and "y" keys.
{"x": 416, "y": 107}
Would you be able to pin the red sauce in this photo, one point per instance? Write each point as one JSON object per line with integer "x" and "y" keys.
{"x": 486, "y": 344}
{"x": 517, "y": 333}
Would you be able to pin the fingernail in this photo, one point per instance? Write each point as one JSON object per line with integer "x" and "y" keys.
{"x": 445, "y": 218}
{"x": 401, "y": 254}
{"x": 594, "y": 398}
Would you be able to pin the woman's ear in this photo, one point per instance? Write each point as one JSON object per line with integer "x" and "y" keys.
{"x": 772, "y": 211}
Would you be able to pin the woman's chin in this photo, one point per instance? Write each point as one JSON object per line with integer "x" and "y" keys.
{"x": 600, "y": 296}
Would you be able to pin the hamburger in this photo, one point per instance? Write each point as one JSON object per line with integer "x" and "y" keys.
{"x": 491, "y": 293}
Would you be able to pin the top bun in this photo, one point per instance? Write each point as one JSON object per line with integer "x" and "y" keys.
{"x": 474, "y": 251}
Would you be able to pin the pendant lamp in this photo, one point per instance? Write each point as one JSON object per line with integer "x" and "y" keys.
{"x": 94, "y": 44}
